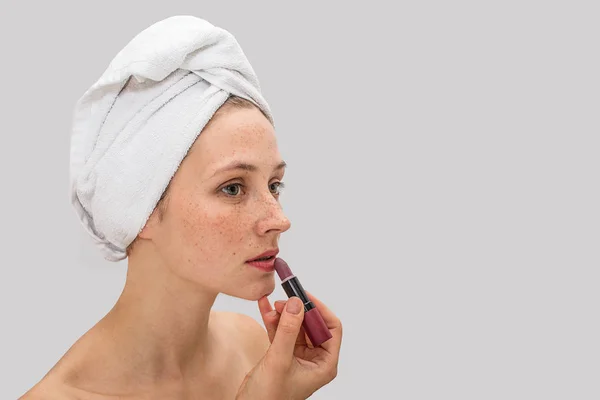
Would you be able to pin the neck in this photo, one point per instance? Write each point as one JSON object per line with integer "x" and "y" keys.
{"x": 163, "y": 316}
{"x": 158, "y": 331}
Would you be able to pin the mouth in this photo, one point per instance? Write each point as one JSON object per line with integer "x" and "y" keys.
{"x": 266, "y": 265}
{"x": 264, "y": 261}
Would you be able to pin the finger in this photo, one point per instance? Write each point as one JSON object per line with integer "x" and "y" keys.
{"x": 301, "y": 340}
{"x": 333, "y": 324}
{"x": 269, "y": 316}
{"x": 280, "y": 305}
{"x": 288, "y": 330}
{"x": 264, "y": 305}
{"x": 273, "y": 322}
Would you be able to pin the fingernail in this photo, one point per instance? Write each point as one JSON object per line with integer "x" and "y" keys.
{"x": 293, "y": 305}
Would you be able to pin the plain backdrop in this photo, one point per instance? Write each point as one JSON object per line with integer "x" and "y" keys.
{"x": 442, "y": 185}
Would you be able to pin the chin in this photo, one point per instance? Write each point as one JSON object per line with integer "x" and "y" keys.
{"x": 255, "y": 290}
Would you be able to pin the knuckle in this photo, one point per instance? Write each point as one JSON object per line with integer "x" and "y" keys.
{"x": 329, "y": 374}
{"x": 332, "y": 373}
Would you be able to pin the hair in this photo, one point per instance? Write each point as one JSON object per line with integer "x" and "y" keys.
{"x": 233, "y": 102}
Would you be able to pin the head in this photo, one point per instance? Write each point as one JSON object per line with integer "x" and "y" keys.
{"x": 211, "y": 220}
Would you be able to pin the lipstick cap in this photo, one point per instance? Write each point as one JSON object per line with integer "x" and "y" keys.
{"x": 315, "y": 327}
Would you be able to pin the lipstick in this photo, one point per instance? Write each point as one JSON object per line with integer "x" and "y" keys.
{"x": 313, "y": 323}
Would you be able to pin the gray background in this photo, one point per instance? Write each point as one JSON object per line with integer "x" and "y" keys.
{"x": 442, "y": 185}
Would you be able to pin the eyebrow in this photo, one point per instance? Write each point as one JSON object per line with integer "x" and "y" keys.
{"x": 246, "y": 167}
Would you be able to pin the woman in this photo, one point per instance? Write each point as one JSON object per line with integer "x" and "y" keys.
{"x": 192, "y": 121}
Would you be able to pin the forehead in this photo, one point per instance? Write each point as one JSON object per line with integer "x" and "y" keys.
{"x": 240, "y": 134}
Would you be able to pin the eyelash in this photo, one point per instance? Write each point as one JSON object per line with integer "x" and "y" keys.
{"x": 280, "y": 186}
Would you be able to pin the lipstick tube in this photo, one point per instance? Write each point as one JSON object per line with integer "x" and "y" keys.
{"x": 313, "y": 323}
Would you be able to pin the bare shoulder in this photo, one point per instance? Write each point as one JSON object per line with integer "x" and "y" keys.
{"x": 45, "y": 390}
{"x": 246, "y": 331}
{"x": 53, "y": 384}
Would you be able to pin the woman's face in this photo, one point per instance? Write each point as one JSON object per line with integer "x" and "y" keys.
{"x": 217, "y": 216}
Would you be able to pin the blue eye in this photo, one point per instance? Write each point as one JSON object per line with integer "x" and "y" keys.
{"x": 275, "y": 187}
{"x": 234, "y": 185}
{"x": 279, "y": 186}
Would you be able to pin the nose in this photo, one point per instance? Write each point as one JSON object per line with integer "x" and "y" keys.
{"x": 273, "y": 219}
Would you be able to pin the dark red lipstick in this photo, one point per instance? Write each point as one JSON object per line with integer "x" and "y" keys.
{"x": 313, "y": 323}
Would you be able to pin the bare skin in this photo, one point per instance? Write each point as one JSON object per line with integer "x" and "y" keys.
{"x": 162, "y": 339}
{"x": 91, "y": 370}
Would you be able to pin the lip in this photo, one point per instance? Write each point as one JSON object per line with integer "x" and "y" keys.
{"x": 268, "y": 253}
{"x": 267, "y": 266}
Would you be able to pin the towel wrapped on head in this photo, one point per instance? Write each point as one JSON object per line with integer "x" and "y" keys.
{"x": 133, "y": 127}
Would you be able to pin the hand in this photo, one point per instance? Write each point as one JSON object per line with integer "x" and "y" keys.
{"x": 292, "y": 368}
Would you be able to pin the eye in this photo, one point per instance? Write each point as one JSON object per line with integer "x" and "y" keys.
{"x": 233, "y": 185}
{"x": 279, "y": 186}
{"x": 233, "y": 189}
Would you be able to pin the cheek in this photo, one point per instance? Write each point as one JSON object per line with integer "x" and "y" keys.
{"x": 210, "y": 231}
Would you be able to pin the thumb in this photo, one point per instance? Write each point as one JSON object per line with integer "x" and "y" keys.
{"x": 284, "y": 342}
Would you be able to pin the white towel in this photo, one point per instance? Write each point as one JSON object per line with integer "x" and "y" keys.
{"x": 129, "y": 136}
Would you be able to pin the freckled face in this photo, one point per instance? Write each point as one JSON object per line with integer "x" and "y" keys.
{"x": 217, "y": 220}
